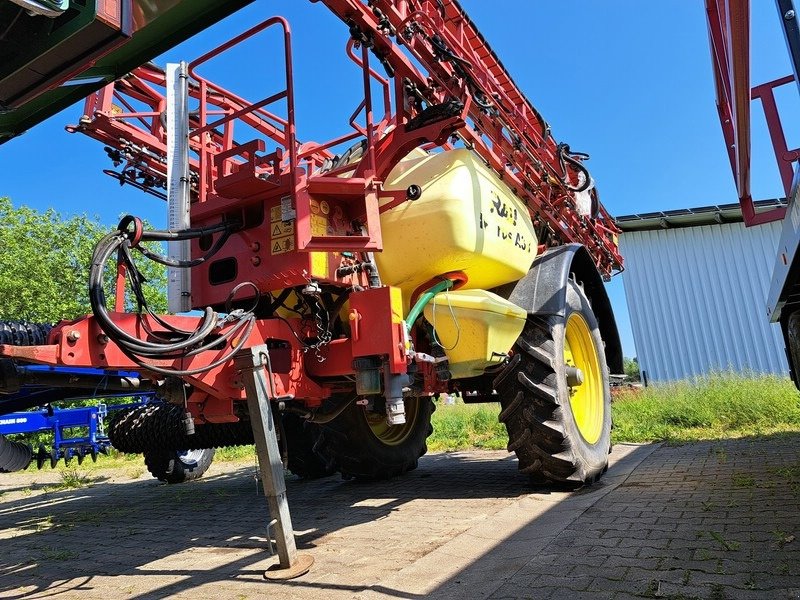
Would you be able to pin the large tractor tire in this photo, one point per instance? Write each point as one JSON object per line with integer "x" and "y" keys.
{"x": 301, "y": 438}
{"x": 361, "y": 445}
{"x": 555, "y": 396}
{"x": 14, "y": 456}
{"x": 178, "y": 466}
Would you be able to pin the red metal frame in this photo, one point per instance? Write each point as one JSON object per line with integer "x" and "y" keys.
{"x": 729, "y": 37}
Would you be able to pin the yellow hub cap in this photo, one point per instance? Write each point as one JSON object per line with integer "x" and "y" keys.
{"x": 393, "y": 435}
{"x": 586, "y": 398}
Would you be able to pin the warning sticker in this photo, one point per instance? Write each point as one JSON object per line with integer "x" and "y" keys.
{"x": 274, "y": 214}
{"x": 283, "y": 245}
{"x": 281, "y": 229}
{"x": 319, "y": 225}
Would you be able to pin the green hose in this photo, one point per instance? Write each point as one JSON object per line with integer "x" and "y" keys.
{"x": 426, "y": 297}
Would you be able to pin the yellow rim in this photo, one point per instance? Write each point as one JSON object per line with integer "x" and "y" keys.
{"x": 396, "y": 434}
{"x": 586, "y": 398}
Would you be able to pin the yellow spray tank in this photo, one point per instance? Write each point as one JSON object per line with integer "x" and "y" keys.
{"x": 475, "y": 328}
{"x": 466, "y": 219}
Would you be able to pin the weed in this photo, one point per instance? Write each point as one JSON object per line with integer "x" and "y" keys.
{"x": 743, "y": 480}
{"x": 791, "y": 474}
{"x": 750, "y": 582}
{"x": 44, "y": 524}
{"x": 731, "y": 546}
{"x": 707, "y": 506}
{"x": 51, "y": 553}
{"x": 653, "y": 589}
{"x": 718, "y": 592}
{"x": 782, "y": 537}
{"x": 73, "y": 479}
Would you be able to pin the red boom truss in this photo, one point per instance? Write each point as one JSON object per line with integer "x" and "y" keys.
{"x": 469, "y": 96}
{"x": 729, "y": 36}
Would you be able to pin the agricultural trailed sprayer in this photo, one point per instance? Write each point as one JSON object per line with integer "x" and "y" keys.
{"x": 446, "y": 243}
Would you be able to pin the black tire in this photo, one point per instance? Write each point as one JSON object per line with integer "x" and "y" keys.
{"x": 536, "y": 404}
{"x": 22, "y": 333}
{"x": 14, "y": 456}
{"x": 158, "y": 426}
{"x": 177, "y": 466}
{"x": 301, "y": 437}
{"x": 351, "y": 444}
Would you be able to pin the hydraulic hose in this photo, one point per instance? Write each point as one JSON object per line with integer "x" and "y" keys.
{"x": 174, "y": 343}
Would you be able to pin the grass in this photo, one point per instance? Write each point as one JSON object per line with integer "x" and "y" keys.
{"x": 72, "y": 478}
{"x": 717, "y": 407}
{"x": 463, "y": 426}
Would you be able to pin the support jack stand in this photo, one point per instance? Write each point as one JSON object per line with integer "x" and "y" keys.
{"x": 291, "y": 564}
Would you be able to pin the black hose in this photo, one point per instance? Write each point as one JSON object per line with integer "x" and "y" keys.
{"x": 566, "y": 156}
{"x": 175, "y": 343}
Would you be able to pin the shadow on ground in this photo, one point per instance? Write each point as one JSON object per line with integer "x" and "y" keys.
{"x": 706, "y": 520}
{"x": 59, "y": 541}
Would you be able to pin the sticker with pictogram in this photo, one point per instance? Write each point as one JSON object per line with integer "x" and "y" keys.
{"x": 282, "y": 245}
{"x": 281, "y": 229}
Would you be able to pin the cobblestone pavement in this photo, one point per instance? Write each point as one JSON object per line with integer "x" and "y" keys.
{"x": 709, "y": 520}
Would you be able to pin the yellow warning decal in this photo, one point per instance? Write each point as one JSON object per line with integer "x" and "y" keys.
{"x": 319, "y": 225}
{"x": 281, "y": 229}
{"x": 275, "y": 214}
{"x": 283, "y": 245}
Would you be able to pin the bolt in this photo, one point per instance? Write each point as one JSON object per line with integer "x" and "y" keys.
{"x": 255, "y": 246}
{"x": 789, "y": 15}
{"x": 102, "y": 338}
{"x": 73, "y": 336}
{"x": 255, "y": 260}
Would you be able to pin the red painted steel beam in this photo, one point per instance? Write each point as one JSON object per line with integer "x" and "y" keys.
{"x": 729, "y": 38}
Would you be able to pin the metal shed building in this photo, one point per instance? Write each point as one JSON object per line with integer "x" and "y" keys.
{"x": 696, "y": 282}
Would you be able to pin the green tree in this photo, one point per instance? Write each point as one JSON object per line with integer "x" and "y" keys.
{"x": 44, "y": 265}
{"x": 631, "y": 367}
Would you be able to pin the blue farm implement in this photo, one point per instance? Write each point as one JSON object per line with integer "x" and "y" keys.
{"x": 90, "y": 440}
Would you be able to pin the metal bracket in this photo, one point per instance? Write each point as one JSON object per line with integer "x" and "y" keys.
{"x": 252, "y": 364}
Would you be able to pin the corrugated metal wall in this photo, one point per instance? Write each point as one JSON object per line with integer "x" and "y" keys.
{"x": 697, "y": 299}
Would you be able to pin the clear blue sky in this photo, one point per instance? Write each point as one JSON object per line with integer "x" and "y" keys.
{"x": 627, "y": 81}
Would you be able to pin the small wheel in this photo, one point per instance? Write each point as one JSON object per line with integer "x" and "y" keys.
{"x": 178, "y": 466}
{"x": 555, "y": 396}
{"x": 362, "y": 445}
